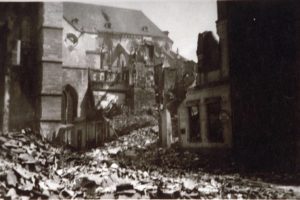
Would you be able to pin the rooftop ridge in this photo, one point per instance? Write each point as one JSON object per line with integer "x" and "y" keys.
{"x": 93, "y": 18}
{"x": 100, "y": 5}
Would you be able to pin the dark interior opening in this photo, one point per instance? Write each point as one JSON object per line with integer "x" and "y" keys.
{"x": 194, "y": 124}
{"x": 214, "y": 124}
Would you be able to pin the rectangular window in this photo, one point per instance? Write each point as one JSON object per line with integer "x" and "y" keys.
{"x": 214, "y": 124}
{"x": 194, "y": 124}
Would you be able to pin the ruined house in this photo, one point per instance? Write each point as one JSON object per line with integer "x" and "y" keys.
{"x": 65, "y": 63}
{"x": 204, "y": 116}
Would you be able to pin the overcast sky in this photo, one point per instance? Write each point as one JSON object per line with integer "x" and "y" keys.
{"x": 184, "y": 19}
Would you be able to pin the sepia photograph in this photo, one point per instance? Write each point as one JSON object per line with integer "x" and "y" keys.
{"x": 150, "y": 99}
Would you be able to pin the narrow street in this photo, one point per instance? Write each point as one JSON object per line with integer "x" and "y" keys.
{"x": 150, "y": 99}
{"x": 132, "y": 166}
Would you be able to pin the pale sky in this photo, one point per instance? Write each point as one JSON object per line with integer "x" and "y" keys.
{"x": 184, "y": 19}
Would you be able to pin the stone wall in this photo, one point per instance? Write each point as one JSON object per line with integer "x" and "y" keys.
{"x": 78, "y": 79}
{"x": 50, "y": 59}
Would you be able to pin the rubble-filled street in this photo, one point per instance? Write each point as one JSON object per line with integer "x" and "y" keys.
{"x": 132, "y": 166}
{"x": 150, "y": 100}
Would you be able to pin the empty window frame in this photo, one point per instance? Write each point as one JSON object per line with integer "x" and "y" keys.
{"x": 194, "y": 123}
{"x": 107, "y": 25}
{"x": 214, "y": 124}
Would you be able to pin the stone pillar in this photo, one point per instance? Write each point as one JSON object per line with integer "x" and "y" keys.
{"x": 166, "y": 128}
{"x": 50, "y": 58}
{"x": 203, "y": 121}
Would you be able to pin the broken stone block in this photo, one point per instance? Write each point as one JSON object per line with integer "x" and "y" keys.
{"x": 28, "y": 186}
{"x": 43, "y": 186}
{"x": 114, "y": 166}
{"x": 53, "y": 186}
{"x": 11, "y": 178}
{"x": 18, "y": 150}
{"x": 189, "y": 184}
{"x": 59, "y": 172}
{"x": 11, "y": 144}
{"x": 155, "y": 129}
{"x": 27, "y": 159}
{"x": 114, "y": 151}
{"x": 207, "y": 190}
{"x": 12, "y": 193}
{"x": 23, "y": 172}
{"x": 140, "y": 188}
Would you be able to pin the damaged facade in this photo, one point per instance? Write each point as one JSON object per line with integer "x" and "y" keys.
{"x": 247, "y": 91}
{"x": 204, "y": 116}
{"x": 68, "y": 63}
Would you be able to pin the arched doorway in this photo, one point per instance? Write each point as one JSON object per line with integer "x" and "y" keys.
{"x": 69, "y": 105}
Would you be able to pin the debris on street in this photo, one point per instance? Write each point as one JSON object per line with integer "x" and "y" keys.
{"x": 133, "y": 166}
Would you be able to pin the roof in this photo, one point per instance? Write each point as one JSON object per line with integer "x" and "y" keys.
{"x": 92, "y": 19}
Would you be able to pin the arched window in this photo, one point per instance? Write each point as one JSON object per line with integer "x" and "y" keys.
{"x": 69, "y": 105}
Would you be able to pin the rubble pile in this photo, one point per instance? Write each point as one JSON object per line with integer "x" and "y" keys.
{"x": 130, "y": 167}
{"x": 124, "y": 124}
{"x": 27, "y": 166}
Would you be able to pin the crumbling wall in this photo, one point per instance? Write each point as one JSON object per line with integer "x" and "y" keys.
{"x": 199, "y": 98}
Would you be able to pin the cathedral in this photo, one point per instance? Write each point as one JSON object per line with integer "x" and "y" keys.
{"x": 62, "y": 62}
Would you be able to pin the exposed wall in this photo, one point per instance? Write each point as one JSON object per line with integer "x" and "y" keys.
{"x": 75, "y": 55}
{"x": 198, "y": 98}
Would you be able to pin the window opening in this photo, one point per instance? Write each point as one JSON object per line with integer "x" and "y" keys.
{"x": 215, "y": 127}
{"x": 194, "y": 124}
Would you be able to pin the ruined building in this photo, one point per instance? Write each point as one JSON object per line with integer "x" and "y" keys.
{"x": 64, "y": 63}
{"x": 247, "y": 91}
{"x": 204, "y": 116}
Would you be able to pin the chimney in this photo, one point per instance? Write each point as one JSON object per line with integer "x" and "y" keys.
{"x": 166, "y": 33}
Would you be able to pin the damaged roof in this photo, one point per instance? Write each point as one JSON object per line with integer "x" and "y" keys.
{"x": 97, "y": 18}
